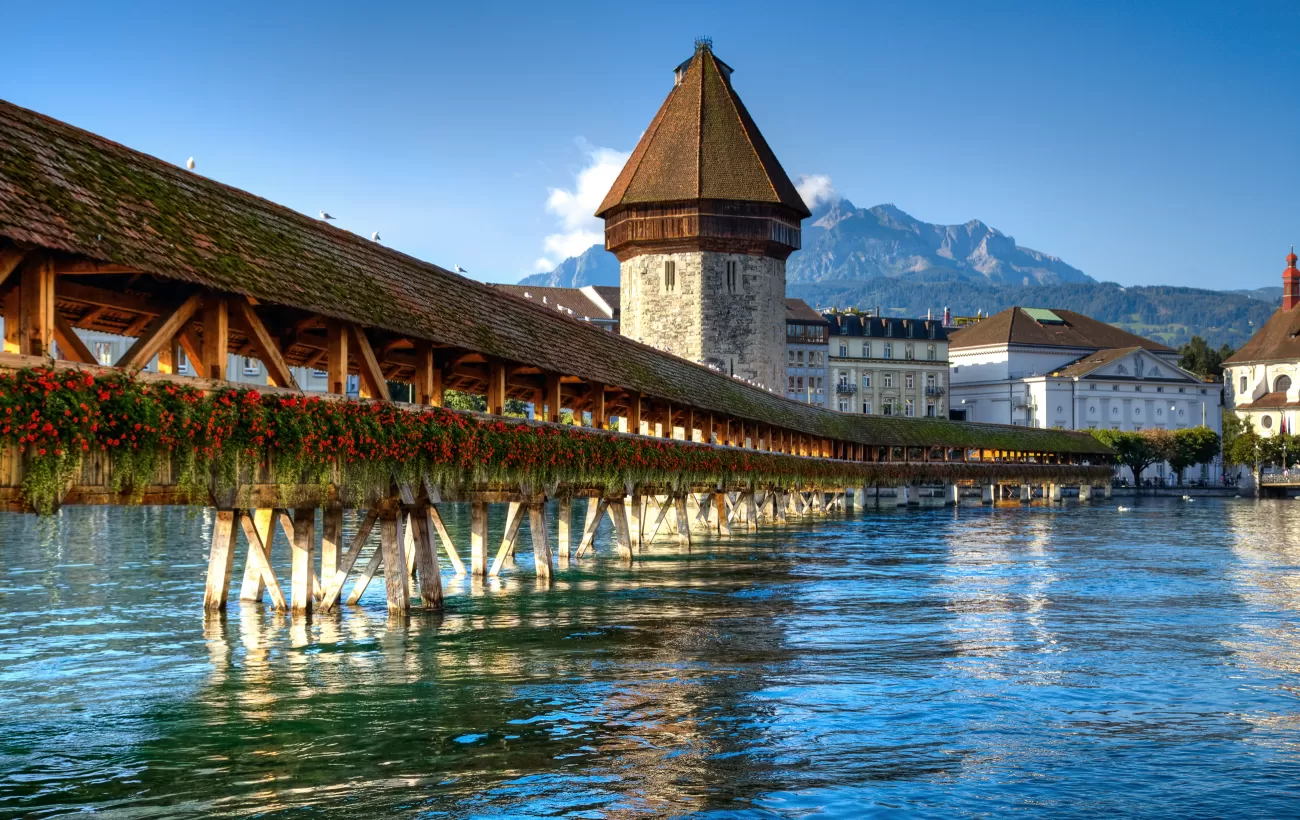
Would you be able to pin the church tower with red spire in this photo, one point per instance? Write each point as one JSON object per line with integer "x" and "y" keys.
{"x": 702, "y": 219}
{"x": 1290, "y": 282}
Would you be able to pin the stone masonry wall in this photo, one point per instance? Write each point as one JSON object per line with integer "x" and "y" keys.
{"x": 740, "y": 331}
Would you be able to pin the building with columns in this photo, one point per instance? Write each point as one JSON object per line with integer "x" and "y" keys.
{"x": 1060, "y": 369}
{"x": 702, "y": 219}
{"x": 1263, "y": 377}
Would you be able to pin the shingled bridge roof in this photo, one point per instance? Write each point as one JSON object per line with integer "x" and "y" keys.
{"x": 65, "y": 189}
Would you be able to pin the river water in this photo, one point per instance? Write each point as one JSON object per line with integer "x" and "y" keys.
{"x": 1073, "y": 660}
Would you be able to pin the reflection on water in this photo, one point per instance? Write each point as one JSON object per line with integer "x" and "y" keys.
{"x": 949, "y": 662}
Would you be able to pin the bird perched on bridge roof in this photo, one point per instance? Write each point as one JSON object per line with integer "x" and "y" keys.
{"x": 459, "y": 269}
{"x": 375, "y": 236}
{"x": 189, "y": 163}
{"x": 324, "y": 215}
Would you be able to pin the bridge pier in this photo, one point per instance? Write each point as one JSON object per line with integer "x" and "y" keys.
{"x": 988, "y": 493}
{"x": 478, "y": 535}
{"x": 902, "y": 495}
{"x": 1085, "y": 492}
{"x": 1026, "y": 494}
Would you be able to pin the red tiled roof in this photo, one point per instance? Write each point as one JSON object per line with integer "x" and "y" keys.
{"x": 703, "y": 145}
{"x": 1269, "y": 401}
{"x": 1276, "y": 340}
{"x": 1015, "y": 326}
{"x": 559, "y": 299}
{"x": 797, "y": 310}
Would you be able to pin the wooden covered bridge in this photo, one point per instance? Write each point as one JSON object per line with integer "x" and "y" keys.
{"x": 97, "y": 237}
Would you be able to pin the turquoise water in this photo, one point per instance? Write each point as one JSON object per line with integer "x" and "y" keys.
{"x": 1070, "y": 661}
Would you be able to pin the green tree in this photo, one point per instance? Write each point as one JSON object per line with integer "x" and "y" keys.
{"x": 1198, "y": 357}
{"x": 1233, "y": 426}
{"x": 1193, "y": 445}
{"x": 1133, "y": 450}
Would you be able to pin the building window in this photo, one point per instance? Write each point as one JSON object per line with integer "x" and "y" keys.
{"x": 887, "y": 407}
{"x": 1282, "y": 384}
{"x": 909, "y": 352}
{"x": 182, "y": 363}
{"x": 889, "y": 380}
{"x": 821, "y": 383}
{"x": 844, "y": 351}
{"x": 1243, "y": 385}
{"x": 670, "y": 276}
{"x": 104, "y": 352}
{"x": 929, "y": 409}
{"x": 790, "y": 389}
{"x": 798, "y": 357}
{"x": 815, "y": 359}
{"x": 866, "y": 379}
{"x": 251, "y": 366}
{"x": 798, "y": 383}
{"x": 931, "y": 353}
{"x": 909, "y": 408}
{"x": 789, "y": 358}
{"x": 909, "y": 381}
{"x": 889, "y": 350}
{"x": 866, "y": 407}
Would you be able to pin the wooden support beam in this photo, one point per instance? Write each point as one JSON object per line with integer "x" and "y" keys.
{"x": 553, "y": 402}
{"x": 514, "y": 517}
{"x": 683, "y": 525}
{"x": 334, "y": 584}
{"x": 301, "y": 592}
{"x": 331, "y": 543}
{"x": 428, "y": 376}
{"x": 259, "y": 551}
{"x": 720, "y": 504}
{"x": 373, "y": 383}
{"x": 622, "y": 537}
{"x": 336, "y": 349}
{"x": 36, "y": 307}
{"x": 216, "y": 338}
{"x": 89, "y": 267}
{"x": 496, "y": 387}
{"x": 540, "y": 533}
{"x": 478, "y": 534}
{"x": 267, "y": 348}
{"x": 221, "y": 560}
{"x": 12, "y": 309}
{"x": 447, "y": 544}
{"x": 593, "y": 522}
{"x": 159, "y": 334}
{"x": 659, "y": 520}
{"x": 599, "y": 415}
{"x": 563, "y": 524}
{"x": 426, "y": 560}
{"x": 634, "y": 413}
{"x": 367, "y": 574}
{"x": 254, "y": 585}
{"x": 10, "y": 258}
{"x": 70, "y": 344}
{"x": 397, "y": 586}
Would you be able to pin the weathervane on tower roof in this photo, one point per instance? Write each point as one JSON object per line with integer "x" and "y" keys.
{"x": 703, "y": 41}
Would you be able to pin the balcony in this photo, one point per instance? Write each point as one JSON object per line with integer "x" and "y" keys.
{"x": 846, "y": 389}
{"x": 935, "y": 390}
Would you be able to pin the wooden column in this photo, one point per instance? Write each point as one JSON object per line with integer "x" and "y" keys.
{"x": 514, "y": 517}
{"x": 553, "y": 399}
{"x": 618, "y": 512}
{"x": 496, "y": 389}
{"x": 216, "y": 338}
{"x": 12, "y": 310}
{"x": 635, "y": 516}
{"x": 253, "y": 586}
{"x": 541, "y": 540}
{"x": 599, "y": 416}
{"x": 336, "y": 357}
{"x": 478, "y": 533}
{"x": 221, "y": 560}
{"x": 563, "y": 524}
{"x": 426, "y": 561}
{"x": 428, "y": 376}
{"x": 397, "y": 586}
{"x": 720, "y": 504}
{"x": 36, "y": 317}
{"x": 683, "y": 523}
{"x": 331, "y": 541}
{"x": 304, "y": 544}
{"x": 634, "y": 413}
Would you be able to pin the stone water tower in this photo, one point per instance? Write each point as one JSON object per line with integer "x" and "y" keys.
{"x": 702, "y": 219}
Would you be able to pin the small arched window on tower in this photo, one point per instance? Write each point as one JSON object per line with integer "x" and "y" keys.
{"x": 733, "y": 284}
{"x": 1243, "y": 385}
{"x": 670, "y": 276}
{"x": 1282, "y": 384}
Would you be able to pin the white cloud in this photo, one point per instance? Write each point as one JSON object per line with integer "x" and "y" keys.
{"x": 573, "y": 209}
{"x": 815, "y": 189}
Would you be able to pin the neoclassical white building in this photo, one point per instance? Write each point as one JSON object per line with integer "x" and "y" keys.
{"x": 1060, "y": 369}
{"x": 1263, "y": 377}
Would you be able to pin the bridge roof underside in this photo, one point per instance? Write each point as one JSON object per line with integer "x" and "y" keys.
{"x": 65, "y": 189}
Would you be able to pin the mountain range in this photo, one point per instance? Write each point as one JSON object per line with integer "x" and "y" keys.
{"x": 884, "y": 257}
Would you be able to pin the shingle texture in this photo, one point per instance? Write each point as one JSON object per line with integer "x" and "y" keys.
{"x": 797, "y": 310}
{"x": 703, "y": 145}
{"x": 1015, "y": 326}
{"x": 1276, "y": 340}
{"x": 65, "y": 189}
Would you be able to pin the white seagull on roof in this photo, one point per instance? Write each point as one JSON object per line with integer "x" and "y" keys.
{"x": 375, "y": 236}
{"x": 324, "y": 215}
{"x": 189, "y": 163}
{"x": 459, "y": 269}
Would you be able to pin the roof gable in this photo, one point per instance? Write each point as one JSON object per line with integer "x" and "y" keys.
{"x": 702, "y": 144}
{"x": 1126, "y": 363}
{"x": 1275, "y": 341}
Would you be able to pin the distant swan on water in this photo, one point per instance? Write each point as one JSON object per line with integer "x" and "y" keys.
{"x": 1124, "y": 509}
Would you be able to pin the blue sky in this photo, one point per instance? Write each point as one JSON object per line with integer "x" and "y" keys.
{"x": 1142, "y": 142}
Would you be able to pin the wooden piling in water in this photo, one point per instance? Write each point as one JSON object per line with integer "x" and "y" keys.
{"x": 478, "y": 535}
{"x": 301, "y": 592}
{"x": 396, "y": 583}
{"x": 221, "y": 561}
